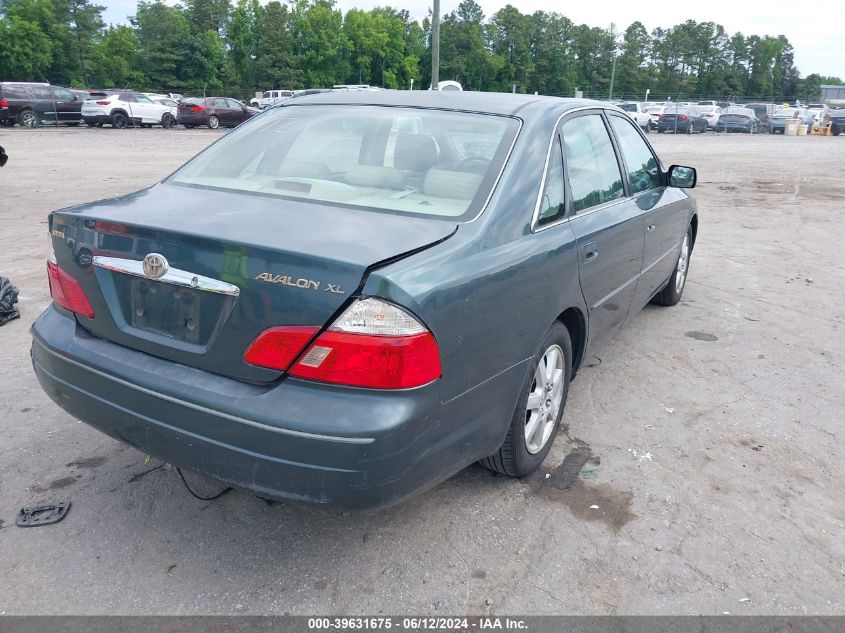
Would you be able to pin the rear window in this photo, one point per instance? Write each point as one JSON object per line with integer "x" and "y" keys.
{"x": 14, "y": 92}
{"x": 628, "y": 107}
{"x": 402, "y": 160}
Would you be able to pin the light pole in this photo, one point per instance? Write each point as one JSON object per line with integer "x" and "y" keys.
{"x": 612, "y": 78}
{"x": 647, "y": 92}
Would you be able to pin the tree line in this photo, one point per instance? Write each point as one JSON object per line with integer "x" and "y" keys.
{"x": 238, "y": 47}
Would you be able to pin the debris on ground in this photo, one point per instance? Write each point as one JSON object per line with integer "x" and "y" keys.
{"x": 44, "y": 513}
{"x": 8, "y": 299}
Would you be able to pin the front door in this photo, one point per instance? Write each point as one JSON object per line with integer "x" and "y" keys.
{"x": 607, "y": 224}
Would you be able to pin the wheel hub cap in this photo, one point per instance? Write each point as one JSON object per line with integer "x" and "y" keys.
{"x": 683, "y": 262}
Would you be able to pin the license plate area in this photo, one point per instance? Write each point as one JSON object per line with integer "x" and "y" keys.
{"x": 174, "y": 311}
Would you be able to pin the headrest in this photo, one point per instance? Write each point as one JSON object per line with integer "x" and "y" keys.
{"x": 414, "y": 152}
{"x": 457, "y": 185}
{"x": 374, "y": 176}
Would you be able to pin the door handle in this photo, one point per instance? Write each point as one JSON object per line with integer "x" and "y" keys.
{"x": 650, "y": 227}
{"x": 590, "y": 251}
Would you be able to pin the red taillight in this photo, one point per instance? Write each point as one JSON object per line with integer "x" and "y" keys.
{"x": 67, "y": 292}
{"x": 372, "y": 361}
{"x": 278, "y": 347}
{"x": 103, "y": 102}
{"x": 197, "y": 108}
{"x": 4, "y": 103}
{"x": 373, "y": 344}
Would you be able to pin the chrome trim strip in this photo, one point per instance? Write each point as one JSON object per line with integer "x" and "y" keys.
{"x": 617, "y": 291}
{"x": 634, "y": 278}
{"x": 659, "y": 259}
{"x": 173, "y": 276}
{"x": 202, "y": 409}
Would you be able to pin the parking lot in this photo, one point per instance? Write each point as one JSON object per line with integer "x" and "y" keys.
{"x": 712, "y": 431}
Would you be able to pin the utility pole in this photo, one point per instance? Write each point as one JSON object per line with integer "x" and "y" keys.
{"x": 435, "y": 46}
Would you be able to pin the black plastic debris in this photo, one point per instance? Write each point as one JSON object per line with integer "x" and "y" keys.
{"x": 42, "y": 514}
{"x": 8, "y": 299}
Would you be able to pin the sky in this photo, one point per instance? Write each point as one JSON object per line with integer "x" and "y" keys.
{"x": 814, "y": 29}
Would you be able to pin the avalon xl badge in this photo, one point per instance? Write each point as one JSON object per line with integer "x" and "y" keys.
{"x": 155, "y": 266}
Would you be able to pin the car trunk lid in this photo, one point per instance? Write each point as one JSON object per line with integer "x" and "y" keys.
{"x": 238, "y": 264}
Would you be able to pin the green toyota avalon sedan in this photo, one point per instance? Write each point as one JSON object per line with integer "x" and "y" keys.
{"x": 354, "y": 295}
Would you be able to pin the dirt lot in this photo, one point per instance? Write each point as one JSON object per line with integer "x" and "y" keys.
{"x": 715, "y": 430}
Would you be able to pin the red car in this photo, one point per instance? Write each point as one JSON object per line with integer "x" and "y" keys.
{"x": 213, "y": 112}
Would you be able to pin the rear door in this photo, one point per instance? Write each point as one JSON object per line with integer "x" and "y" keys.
{"x": 222, "y": 110}
{"x": 147, "y": 109}
{"x": 608, "y": 225}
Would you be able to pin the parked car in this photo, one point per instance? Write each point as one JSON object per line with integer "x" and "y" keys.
{"x": 213, "y": 112}
{"x": 708, "y": 103}
{"x": 711, "y": 114}
{"x": 681, "y": 120}
{"x": 837, "y": 118}
{"x": 161, "y": 100}
{"x": 325, "y": 306}
{"x": 637, "y": 111}
{"x": 271, "y": 97}
{"x": 778, "y": 121}
{"x": 655, "y": 111}
{"x": 819, "y": 111}
{"x": 123, "y": 109}
{"x": 738, "y": 119}
{"x": 31, "y": 104}
{"x": 764, "y": 112}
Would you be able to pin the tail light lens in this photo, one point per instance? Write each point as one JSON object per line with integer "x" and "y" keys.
{"x": 103, "y": 103}
{"x": 66, "y": 291}
{"x": 373, "y": 344}
{"x": 278, "y": 347}
{"x": 4, "y": 103}
{"x": 197, "y": 108}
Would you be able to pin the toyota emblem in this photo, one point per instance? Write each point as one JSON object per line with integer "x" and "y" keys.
{"x": 155, "y": 266}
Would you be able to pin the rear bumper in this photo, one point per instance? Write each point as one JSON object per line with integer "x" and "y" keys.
{"x": 96, "y": 118}
{"x": 291, "y": 440}
{"x": 182, "y": 119}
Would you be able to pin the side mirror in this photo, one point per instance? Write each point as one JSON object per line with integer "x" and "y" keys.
{"x": 3, "y": 157}
{"x": 682, "y": 177}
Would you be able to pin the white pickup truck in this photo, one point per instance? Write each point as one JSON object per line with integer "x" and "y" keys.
{"x": 637, "y": 112}
{"x": 271, "y": 97}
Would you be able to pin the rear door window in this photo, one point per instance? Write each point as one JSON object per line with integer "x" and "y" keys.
{"x": 552, "y": 200}
{"x": 591, "y": 166}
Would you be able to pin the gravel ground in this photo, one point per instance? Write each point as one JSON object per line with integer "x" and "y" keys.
{"x": 713, "y": 432}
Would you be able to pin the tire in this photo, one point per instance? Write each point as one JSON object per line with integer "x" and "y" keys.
{"x": 674, "y": 288}
{"x": 29, "y": 118}
{"x": 119, "y": 120}
{"x": 519, "y": 456}
{"x": 168, "y": 121}
{"x": 213, "y": 122}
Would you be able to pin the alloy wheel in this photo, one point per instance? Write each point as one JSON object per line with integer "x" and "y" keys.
{"x": 544, "y": 400}
{"x": 213, "y": 122}
{"x": 683, "y": 262}
{"x": 28, "y": 118}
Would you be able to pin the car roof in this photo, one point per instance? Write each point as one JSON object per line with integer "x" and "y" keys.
{"x": 487, "y": 102}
